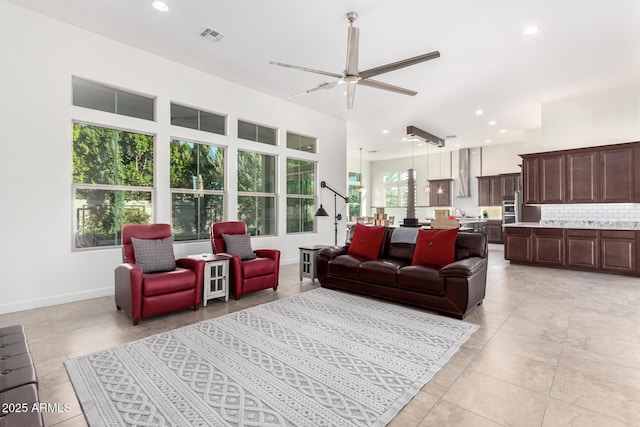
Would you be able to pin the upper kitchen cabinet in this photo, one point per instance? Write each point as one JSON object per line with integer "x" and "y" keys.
{"x": 484, "y": 191}
{"x": 440, "y": 193}
{"x": 510, "y": 184}
{"x": 493, "y": 189}
{"x": 604, "y": 174}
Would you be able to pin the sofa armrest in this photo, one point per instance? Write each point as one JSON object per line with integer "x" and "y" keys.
{"x": 128, "y": 289}
{"x": 274, "y": 254}
{"x": 197, "y": 266}
{"x": 464, "y": 268}
{"x": 330, "y": 252}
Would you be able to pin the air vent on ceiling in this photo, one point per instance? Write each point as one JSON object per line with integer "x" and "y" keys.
{"x": 211, "y": 34}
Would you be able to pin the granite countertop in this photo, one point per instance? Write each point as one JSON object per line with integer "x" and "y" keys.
{"x": 592, "y": 225}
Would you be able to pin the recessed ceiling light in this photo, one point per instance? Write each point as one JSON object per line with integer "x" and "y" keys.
{"x": 479, "y": 112}
{"x": 502, "y": 131}
{"x": 530, "y": 30}
{"x": 492, "y": 123}
{"x": 372, "y": 151}
{"x": 488, "y": 141}
{"x": 457, "y": 145}
{"x": 386, "y": 131}
{"x": 160, "y": 5}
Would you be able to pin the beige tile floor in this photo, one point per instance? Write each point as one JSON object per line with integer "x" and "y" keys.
{"x": 554, "y": 348}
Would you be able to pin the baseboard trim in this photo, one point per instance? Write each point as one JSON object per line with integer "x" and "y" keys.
{"x": 54, "y": 300}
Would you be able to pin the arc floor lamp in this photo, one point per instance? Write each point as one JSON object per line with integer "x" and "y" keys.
{"x": 337, "y": 216}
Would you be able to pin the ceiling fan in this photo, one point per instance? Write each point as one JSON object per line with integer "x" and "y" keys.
{"x": 352, "y": 77}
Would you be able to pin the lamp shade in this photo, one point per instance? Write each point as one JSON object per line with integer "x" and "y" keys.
{"x": 321, "y": 212}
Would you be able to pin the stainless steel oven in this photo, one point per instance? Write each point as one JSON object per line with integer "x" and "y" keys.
{"x": 511, "y": 209}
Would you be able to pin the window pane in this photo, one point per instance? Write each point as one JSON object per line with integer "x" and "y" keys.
{"x": 266, "y": 135}
{"x": 100, "y": 215}
{"x": 258, "y": 213}
{"x": 212, "y": 123}
{"x": 132, "y": 105}
{"x": 90, "y": 95}
{"x": 111, "y": 156}
{"x": 391, "y": 196}
{"x": 300, "y": 214}
{"x": 103, "y": 98}
{"x": 390, "y": 177}
{"x": 193, "y": 214}
{"x": 256, "y": 172}
{"x": 300, "y": 177}
{"x": 247, "y": 131}
{"x": 184, "y": 116}
{"x": 196, "y": 166}
{"x": 300, "y": 142}
{"x": 354, "y": 177}
{"x": 354, "y": 201}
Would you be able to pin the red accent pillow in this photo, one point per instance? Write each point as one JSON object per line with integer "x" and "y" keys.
{"x": 366, "y": 241}
{"x": 435, "y": 247}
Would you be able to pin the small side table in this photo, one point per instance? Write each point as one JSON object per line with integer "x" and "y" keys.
{"x": 309, "y": 261}
{"x": 216, "y": 277}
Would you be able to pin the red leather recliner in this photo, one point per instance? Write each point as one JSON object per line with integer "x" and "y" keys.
{"x": 249, "y": 275}
{"x": 150, "y": 294}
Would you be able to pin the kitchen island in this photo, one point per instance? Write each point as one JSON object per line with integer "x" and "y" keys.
{"x": 586, "y": 245}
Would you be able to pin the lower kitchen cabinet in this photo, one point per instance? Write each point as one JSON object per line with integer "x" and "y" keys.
{"x": 494, "y": 231}
{"x": 581, "y": 247}
{"x": 618, "y": 250}
{"x": 606, "y": 251}
{"x": 548, "y": 246}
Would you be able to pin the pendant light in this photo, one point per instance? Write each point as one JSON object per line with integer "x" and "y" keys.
{"x": 428, "y": 188}
{"x": 440, "y": 190}
{"x": 360, "y": 188}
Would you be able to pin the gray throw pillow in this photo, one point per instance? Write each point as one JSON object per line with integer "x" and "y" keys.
{"x": 154, "y": 255}
{"x": 239, "y": 244}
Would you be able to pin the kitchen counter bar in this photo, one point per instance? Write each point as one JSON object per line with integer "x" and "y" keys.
{"x": 587, "y": 225}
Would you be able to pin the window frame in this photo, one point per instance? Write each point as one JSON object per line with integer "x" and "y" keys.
{"x": 257, "y": 194}
{"x": 400, "y": 186}
{"x": 298, "y": 196}
{"x": 276, "y": 142}
{"x": 199, "y": 110}
{"x": 315, "y": 142}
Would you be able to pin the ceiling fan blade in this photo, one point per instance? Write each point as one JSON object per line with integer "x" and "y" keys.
{"x": 399, "y": 64}
{"x": 385, "y": 86}
{"x": 352, "y": 51}
{"x": 351, "y": 92}
{"x": 322, "y": 86}
{"x": 310, "y": 70}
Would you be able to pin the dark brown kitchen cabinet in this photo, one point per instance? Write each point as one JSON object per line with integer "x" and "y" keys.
{"x": 440, "y": 193}
{"x": 605, "y": 251}
{"x": 531, "y": 180}
{"x": 616, "y": 177}
{"x": 496, "y": 190}
{"x": 552, "y": 179}
{"x": 517, "y": 243}
{"x": 484, "y": 191}
{"x": 581, "y": 249}
{"x": 582, "y": 177}
{"x": 618, "y": 250}
{"x": 548, "y": 246}
{"x": 603, "y": 174}
{"x": 494, "y": 231}
{"x": 510, "y": 184}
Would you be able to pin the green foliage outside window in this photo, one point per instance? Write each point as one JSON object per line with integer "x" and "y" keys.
{"x": 111, "y": 169}
{"x": 256, "y": 192}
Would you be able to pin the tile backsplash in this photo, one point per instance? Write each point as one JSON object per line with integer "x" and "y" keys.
{"x": 591, "y": 212}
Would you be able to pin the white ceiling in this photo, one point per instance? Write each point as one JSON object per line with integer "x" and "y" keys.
{"x": 583, "y": 46}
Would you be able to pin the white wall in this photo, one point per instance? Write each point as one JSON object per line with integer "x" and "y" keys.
{"x": 39, "y": 58}
{"x": 603, "y": 118}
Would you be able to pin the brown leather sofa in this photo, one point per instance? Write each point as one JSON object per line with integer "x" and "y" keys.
{"x": 452, "y": 290}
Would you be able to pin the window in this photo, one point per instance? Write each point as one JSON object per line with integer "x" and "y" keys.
{"x": 396, "y": 188}
{"x": 195, "y": 119}
{"x": 257, "y": 192}
{"x": 253, "y": 132}
{"x": 112, "y": 183}
{"x": 99, "y": 97}
{"x": 301, "y": 176}
{"x": 355, "y": 196}
{"x": 300, "y": 142}
{"x": 197, "y": 188}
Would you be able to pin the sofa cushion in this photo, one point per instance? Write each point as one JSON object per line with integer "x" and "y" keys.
{"x": 177, "y": 280}
{"x": 239, "y": 244}
{"x": 258, "y": 267}
{"x": 345, "y": 266}
{"x": 154, "y": 255}
{"x": 435, "y": 247}
{"x": 380, "y": 271}
{"x": 366, "y": 241}
{"x": 420, "y": 278}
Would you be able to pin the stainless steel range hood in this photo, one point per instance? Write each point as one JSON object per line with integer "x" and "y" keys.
{"x": 464, "y": 172}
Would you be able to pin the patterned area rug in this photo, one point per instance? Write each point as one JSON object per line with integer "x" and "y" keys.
{"x": 320, "y": 358}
